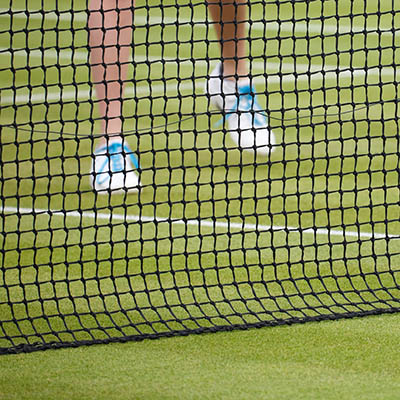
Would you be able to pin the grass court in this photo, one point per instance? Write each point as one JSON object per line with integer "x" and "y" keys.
{"x": 215, "y": 237}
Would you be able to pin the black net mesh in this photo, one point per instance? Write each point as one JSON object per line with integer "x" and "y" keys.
{"x": 198, "y": 217}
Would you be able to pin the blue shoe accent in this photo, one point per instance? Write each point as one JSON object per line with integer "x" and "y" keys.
{"x": 246, "y": 102}
{"x": 115, "y": 156}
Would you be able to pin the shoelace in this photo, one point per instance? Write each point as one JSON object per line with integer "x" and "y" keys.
{"x": 245, "y": 103}
{"x": 116, "y": 158}
{"x": 117, "y": 153}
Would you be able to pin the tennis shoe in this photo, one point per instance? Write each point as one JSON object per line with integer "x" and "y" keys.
{"x": 114, "y": 168}
{"x": 247, "y": 124}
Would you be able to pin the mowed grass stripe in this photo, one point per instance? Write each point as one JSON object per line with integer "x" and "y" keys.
{"x": 304, "y": 73}
{"x": 141, "y": 21}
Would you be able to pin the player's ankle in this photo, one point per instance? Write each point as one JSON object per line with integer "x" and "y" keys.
{"x": 237, "y": 81}
{"x": 108, "y": 139}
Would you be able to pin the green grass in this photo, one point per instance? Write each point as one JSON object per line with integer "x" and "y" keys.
{"x": 68, "y": 278}
{"x": 352, "y": 359}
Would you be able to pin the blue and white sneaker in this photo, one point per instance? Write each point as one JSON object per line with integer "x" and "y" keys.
{"x": 114, "y": 168}
{"x": 247, "y": 127}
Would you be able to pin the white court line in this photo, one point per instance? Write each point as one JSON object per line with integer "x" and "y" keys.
{"x": 312, "y": 26}
{"x": 72, "y": 56}
{"x": 71, "y": 93}
{"x": 197, "y": 222}
{"x": 85, "y": 94}
{"x": 69, "y": 55}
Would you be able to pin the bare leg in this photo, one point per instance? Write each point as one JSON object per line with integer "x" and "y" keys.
{"x": 230, "y": 25}
{"x": 110, "y": 39}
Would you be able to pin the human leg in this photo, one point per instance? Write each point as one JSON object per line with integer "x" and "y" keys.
{"x": 110, "y": 38}
{"x": 229, "y": 85}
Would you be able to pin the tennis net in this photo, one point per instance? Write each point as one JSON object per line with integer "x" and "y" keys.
{"x": 181, "y": 167}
